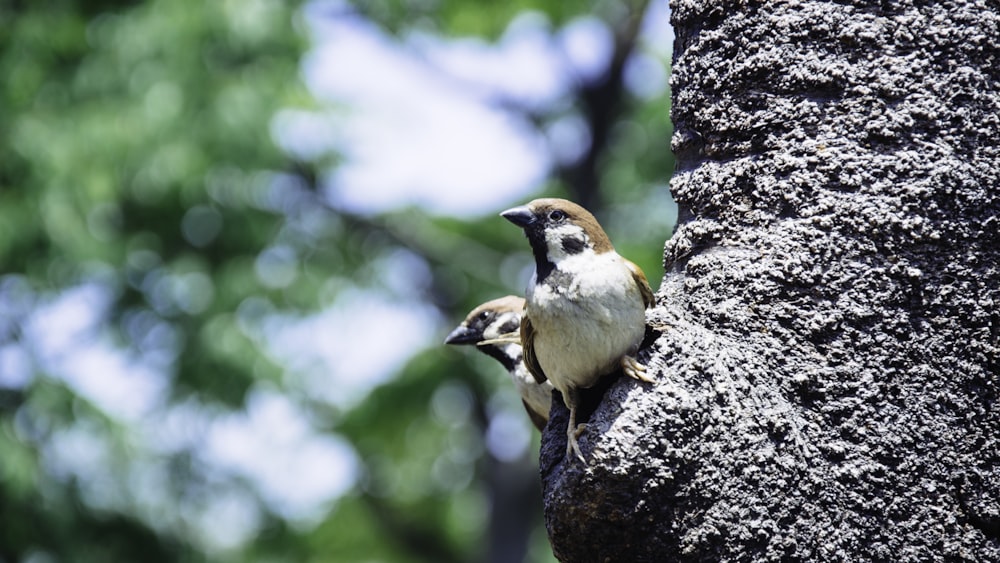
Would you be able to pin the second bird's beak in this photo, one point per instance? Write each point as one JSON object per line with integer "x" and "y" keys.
{"x": 520, "y": 216}
{"x": 462, "y": 335}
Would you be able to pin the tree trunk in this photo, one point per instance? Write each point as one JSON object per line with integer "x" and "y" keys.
{"x": 827, "y": 357}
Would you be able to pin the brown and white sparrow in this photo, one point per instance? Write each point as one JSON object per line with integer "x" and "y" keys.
{"x": 494, "y": 328}
{"x": 586, "y": 305}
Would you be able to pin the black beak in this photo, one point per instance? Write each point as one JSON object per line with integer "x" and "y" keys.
{"x": 520, "y": 216}
{"x": 462, "y": 335}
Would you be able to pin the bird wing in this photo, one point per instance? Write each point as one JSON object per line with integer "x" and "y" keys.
{"x": 536, "y": 417}
{"x": 648, "y": 299}
{"x": 528, "y": 349}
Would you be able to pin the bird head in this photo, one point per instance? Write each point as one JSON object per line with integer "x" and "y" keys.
{"x": 499, "y": 319}
{"x": 557, "y": 229}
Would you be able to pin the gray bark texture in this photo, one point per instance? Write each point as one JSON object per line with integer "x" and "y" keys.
{"x": 826, "y": 351}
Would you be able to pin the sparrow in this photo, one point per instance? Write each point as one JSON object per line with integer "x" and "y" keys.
{"x": 586, "y": 306}
{"x": 494, "y": 327}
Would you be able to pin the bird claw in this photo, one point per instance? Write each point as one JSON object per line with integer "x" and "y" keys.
{"x": 572, "y": 447}
{"x": 634, "y": 369}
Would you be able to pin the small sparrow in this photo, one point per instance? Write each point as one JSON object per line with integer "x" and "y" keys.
{"x": 586, "y": 305}
{"x": 494, "y": 327}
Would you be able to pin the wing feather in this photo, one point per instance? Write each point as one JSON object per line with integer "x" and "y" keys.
{"x": 536, "y": 418}
{"x": 528, "y": 349}
{"x": 648, "y": 299}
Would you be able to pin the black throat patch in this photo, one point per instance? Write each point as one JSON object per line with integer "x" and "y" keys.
{"x": 497, "y": 354}
{"x": 543, "y": 267}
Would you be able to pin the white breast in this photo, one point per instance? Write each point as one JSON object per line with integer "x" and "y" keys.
{"x": 583, "y": 328}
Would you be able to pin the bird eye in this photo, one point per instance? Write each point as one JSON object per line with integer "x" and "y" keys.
{"x": 485, "y": 315}
{"x": 557, "y": 215}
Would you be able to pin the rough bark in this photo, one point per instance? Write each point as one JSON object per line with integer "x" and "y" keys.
{"x": 827, "y": 358}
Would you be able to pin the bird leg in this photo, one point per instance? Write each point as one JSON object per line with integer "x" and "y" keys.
{"x": 634, "y": 369}
{"x": 573, "y": 431}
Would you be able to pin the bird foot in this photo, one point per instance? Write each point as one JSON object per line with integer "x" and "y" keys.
{"x": 572, "y": 447}
{"x": 634, "y": 369}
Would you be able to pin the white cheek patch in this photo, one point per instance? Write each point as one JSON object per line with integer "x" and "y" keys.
{"x": 562, "y": 238}
{"x": 504, "y": 321}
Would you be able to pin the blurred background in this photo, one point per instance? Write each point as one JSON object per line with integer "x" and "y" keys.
{"x": 233, "y": 235}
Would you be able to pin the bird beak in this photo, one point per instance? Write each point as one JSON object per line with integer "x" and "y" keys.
{"x": 520, "y": 216}
{"x": 462, "y": 335}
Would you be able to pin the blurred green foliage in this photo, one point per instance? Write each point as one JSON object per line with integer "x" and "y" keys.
{"x": 138, "y": 174}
